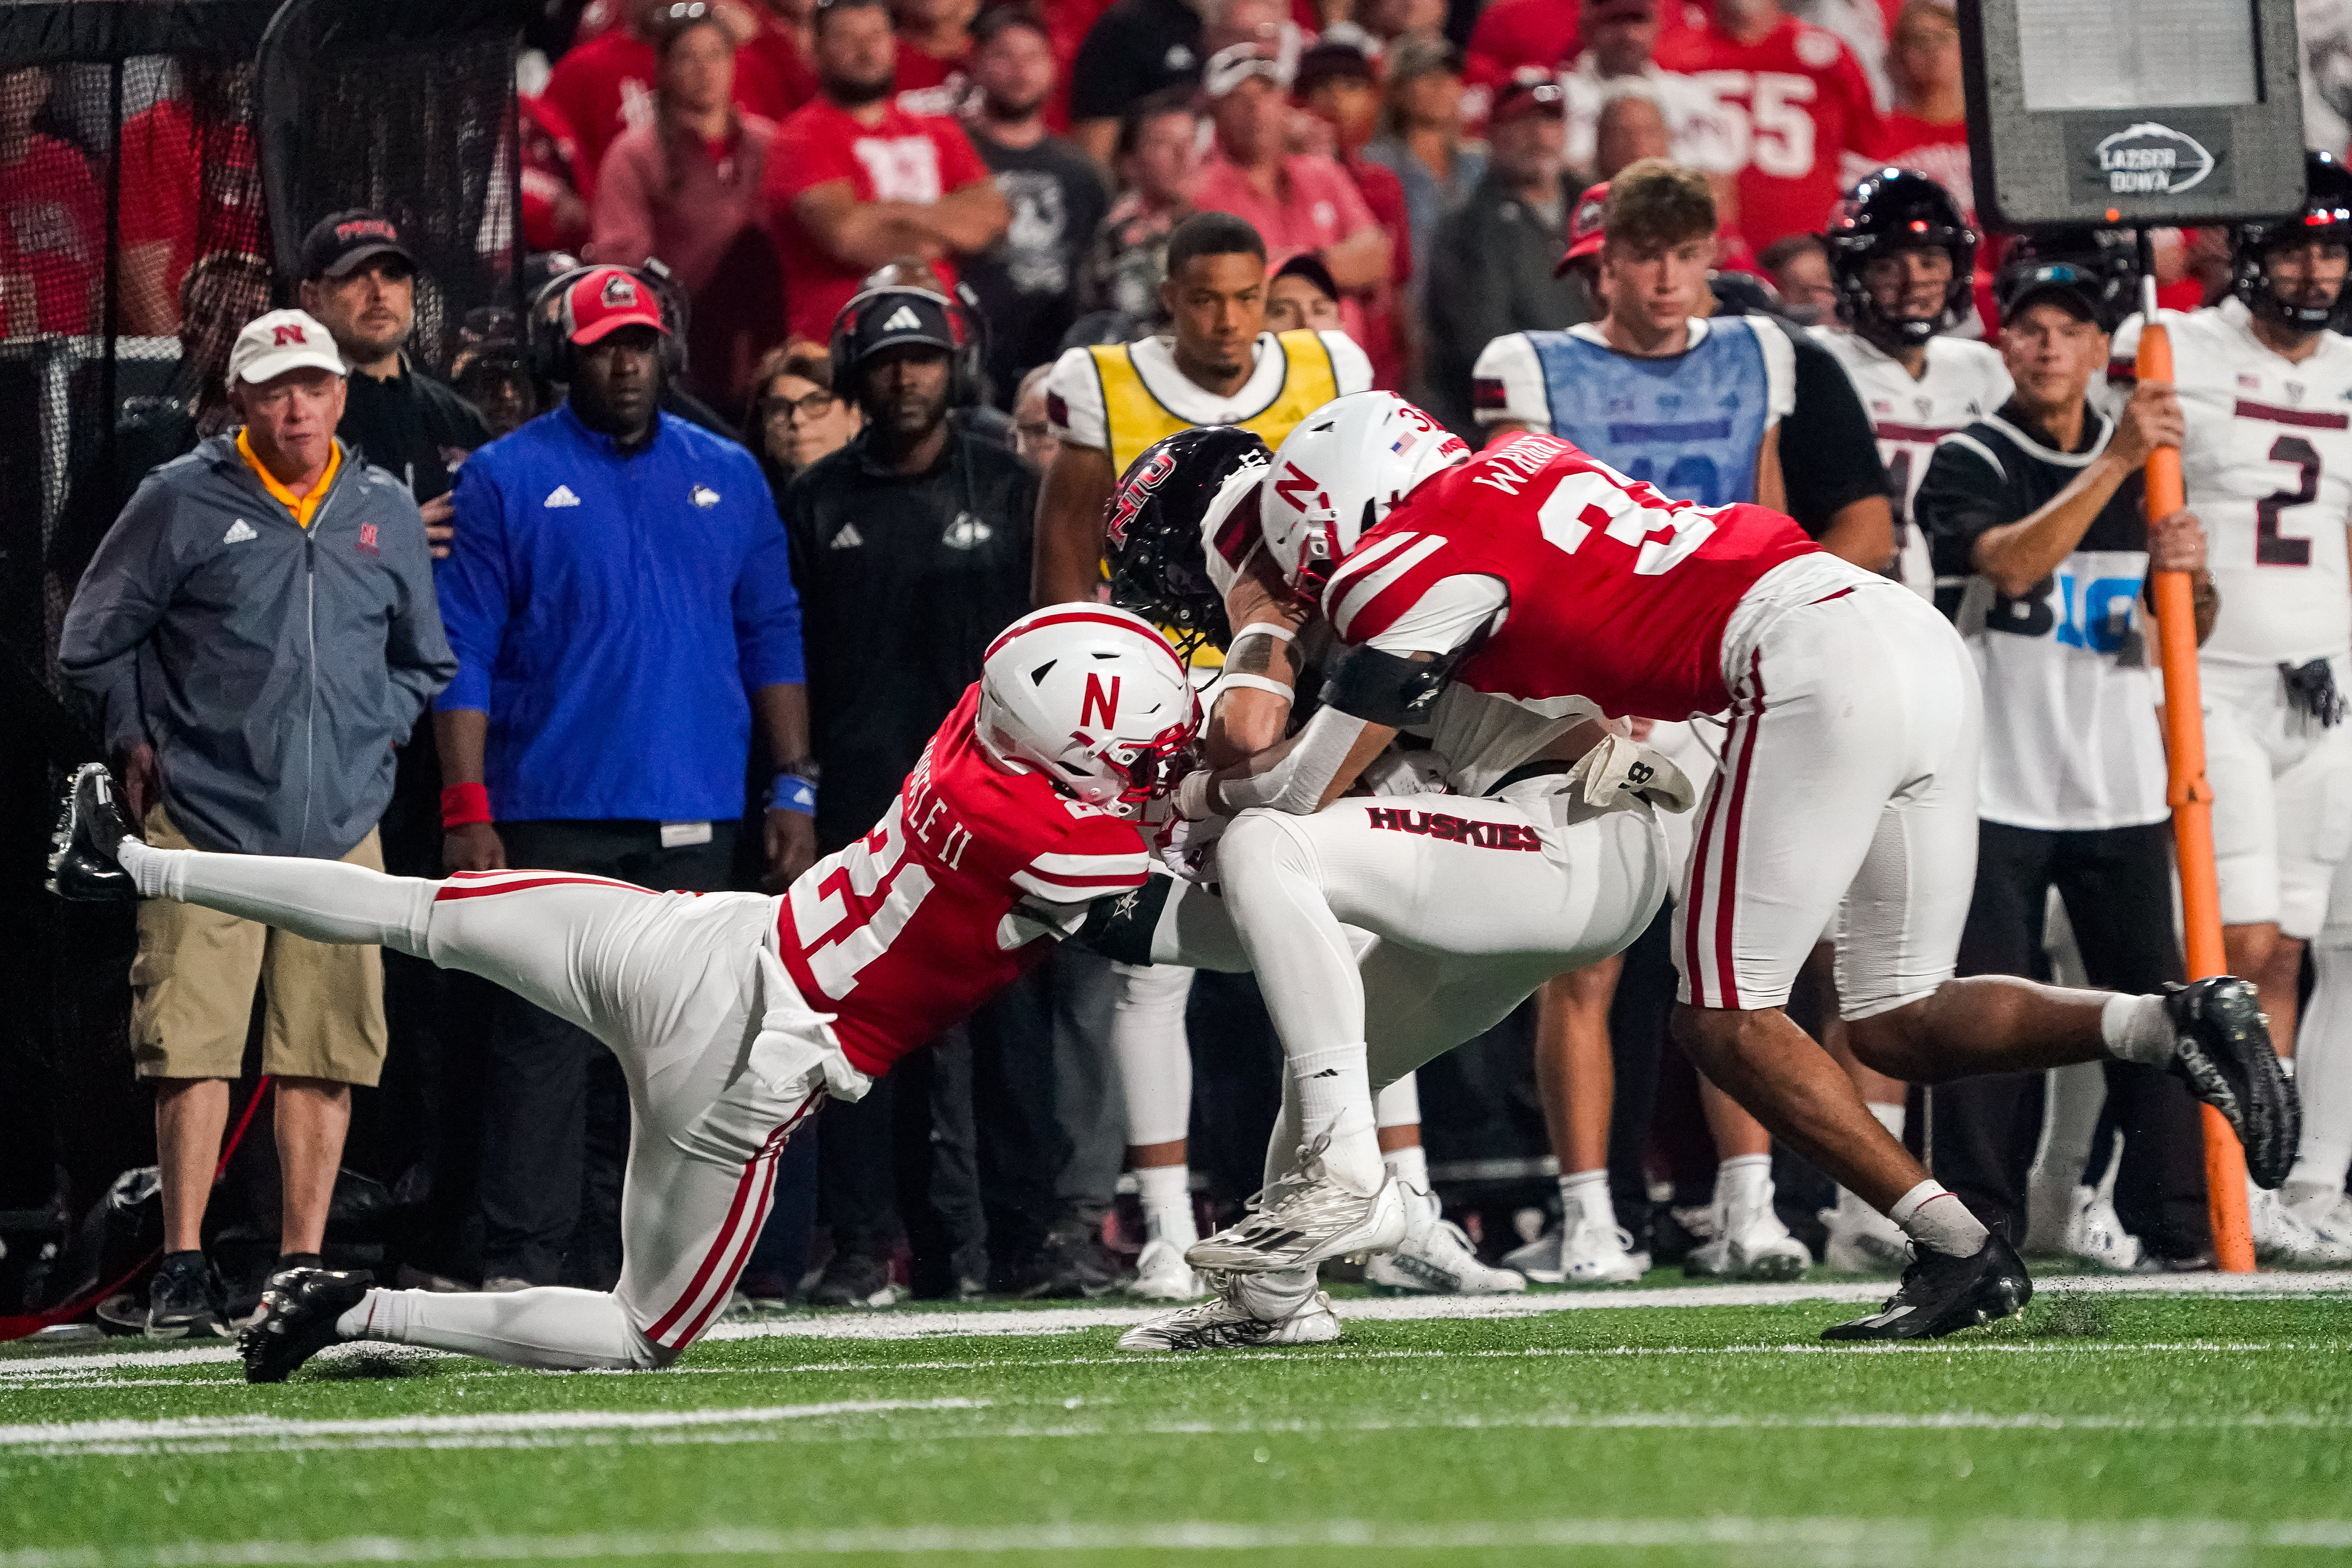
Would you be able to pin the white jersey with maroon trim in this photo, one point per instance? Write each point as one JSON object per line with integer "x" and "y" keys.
{"x": 2267, "y": 466}
{"x": 1964, "y": 383}
{"x": 907, "y": 930}
{"x": 1614, "y": 598}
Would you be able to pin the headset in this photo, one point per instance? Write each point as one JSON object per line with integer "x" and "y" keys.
{"x": 964, "y": 374}
{"x": 548, "y": 326}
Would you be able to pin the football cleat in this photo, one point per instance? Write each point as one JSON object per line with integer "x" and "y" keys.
{"x": 1231, "y": 1321}
{"x": 184, "y": 1300}
{"x": 1436, "y": 1258}
{"x": 1595, "y": 1252}
{"x": 2221, "y": 1050}
{"x": 1304, "y": 1218}
{"x": 1162, "y": 1275}
{"x": 1941, "y": 1293}
{"x": 1749, "y": 1243}
{"x": 856, "y": 1280}
{"x": 2282, "y": 1235}
{"x": 2096, "y": 1233}
{"x": 89, "y": 824}
{"x": 2328, "y": 1217}
{"x": 1862, "y": 1240}
{"x": 299, "y": 1312}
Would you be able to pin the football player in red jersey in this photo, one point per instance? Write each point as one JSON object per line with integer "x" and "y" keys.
{"x": 1550, "y": 585}
{"x": 733, "y": 1015}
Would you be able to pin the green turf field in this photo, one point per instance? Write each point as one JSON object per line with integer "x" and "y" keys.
{"x": 2118, "y": 1428}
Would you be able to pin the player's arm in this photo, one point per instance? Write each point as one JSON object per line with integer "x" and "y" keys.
{"x": 1254, "y": 697}
{"x": 1299, "y": 776}
{"x": 1771, "y": 489}
{"x": 1068, "y": 562}
{"x": 2018, "y": 555}
{"x": 864, "y": 235}
{"x": 1861, "y": 532}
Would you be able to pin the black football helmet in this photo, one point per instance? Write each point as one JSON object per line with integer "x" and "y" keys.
{"x": 1890, "y": 211}
{"x": 1153, "y": 537}
{"x": 2098, "y": 266}
{"x": 2325, "y": 215}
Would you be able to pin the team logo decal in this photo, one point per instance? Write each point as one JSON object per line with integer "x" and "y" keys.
{"x": 619, "y": 291}
{"x": 1294, "y": 485}
{"x": 1102, "y": 698}
{"x": 367, "y": 544}
{"x": 703, "y": 496}
{"x": 1141, "y": 481}
{"x": 289, "y": 333}
{"x": 2150, "y": 160}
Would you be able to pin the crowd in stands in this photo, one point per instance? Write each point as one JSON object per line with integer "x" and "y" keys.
{"x": 706, "y": 187}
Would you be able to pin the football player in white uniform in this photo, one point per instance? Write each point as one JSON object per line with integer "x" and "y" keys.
{"x": 2267, "y": 390}
{"x": 1903, "y": 257}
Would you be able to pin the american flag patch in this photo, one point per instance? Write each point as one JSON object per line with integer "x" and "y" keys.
{"x": 2250, "y": 382}
{"x": 1488, "y": 392}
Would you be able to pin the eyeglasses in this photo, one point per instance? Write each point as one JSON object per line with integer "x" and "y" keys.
{"x": 780, "y": 410}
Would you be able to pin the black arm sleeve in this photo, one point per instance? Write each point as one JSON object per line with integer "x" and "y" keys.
{"x": 1829, "y": 458}
{"x": 1119, "y": 925}
{"x": 1960, "y": 499}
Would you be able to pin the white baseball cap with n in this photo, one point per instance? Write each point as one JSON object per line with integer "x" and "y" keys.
{"x": 281, "y": 340}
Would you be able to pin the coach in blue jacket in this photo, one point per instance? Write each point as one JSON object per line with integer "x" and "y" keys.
{"x": 621, "y": 602}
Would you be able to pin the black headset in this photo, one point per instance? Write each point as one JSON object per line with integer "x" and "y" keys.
{"x": 963, "y": 360}
{"x": 548, "y": 326}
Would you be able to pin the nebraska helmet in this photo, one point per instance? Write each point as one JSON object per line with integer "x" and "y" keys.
{"x": 1344, "y": 469}
{"x": 1094, "y": 699}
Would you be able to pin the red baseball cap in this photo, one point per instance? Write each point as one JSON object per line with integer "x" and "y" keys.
{"x": 608, "y": 298}
{"x": 1585, "y": 232}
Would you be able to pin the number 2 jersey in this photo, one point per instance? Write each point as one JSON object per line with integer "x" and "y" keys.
{"x": 2267, "y": 467}
{"x": 954, "y": 894}
{"x": 1593, "y": 591}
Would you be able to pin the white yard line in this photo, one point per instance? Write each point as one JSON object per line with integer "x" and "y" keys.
{"x": 1817, "y": 1541}
{"x": 1022, "y": 1323}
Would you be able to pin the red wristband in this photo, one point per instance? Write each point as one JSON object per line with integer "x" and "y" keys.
{"x": 463, "y": 805}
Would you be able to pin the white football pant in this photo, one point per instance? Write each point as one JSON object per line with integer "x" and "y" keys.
{"x": 2282, "y": 797}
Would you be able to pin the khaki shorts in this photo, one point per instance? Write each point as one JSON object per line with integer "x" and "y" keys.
{"x": 192, "y": 990}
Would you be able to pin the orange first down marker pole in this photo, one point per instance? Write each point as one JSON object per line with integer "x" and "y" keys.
{"x": 2174, "y": 601}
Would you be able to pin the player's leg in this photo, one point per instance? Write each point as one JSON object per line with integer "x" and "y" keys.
{"x": 1154, "y": 1061}
{"x": 1749, "y": 1240}
{"x": 1436, "y": 1257}
{"x": 1860, "y": 1239}
{"x": 2315, "y": 1188}
{"x": 2246, "y": 749}
{"x": 1576, "y": 1084}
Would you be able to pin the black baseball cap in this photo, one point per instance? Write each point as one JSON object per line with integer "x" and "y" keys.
{"x": 892, "y": 317}
{"x": 341, "y": 241}
{"x": 1331, "y": 61}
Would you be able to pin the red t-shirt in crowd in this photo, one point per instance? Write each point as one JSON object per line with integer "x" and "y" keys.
{"x": 771, "y": 76}
{"x": 901, "y": 157}
{"x": 170, "y": 170}
{"x": 1938, "y": 152}
{"x": 1804, "y": 103}
{"x": 1318, "y": 205}
{"x": 554, "y": 216}
{"x": 1384, "y": 340}
{"x": 605, "y": 86}
{"x": 55, "y": 224}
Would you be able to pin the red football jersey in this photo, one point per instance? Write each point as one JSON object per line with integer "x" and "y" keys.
{"x": 1617, "y": 594}
{"x": 1803, "y": 102}
{"x": 903, "y": 933}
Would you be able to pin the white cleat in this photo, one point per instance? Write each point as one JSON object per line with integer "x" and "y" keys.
{"x": 2281, "y": 1235}
{"x": 1303, "y": 1219}
{"x": 1862, "y": 1240}
{"x": 1750, "y": 1243}
{"x": 1231, "y": 1321}
{"x": 2095, "y": 1234}
{"x": 1435, "y": 1258}
{"x": 2329, "y": 1217}
{"x": 1596, "y": 1252}
{"x": 1162, "y": 1275}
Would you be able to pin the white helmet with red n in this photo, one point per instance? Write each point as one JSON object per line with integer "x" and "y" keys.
{"x": 1339, "y": 473}
{"x": 1094, "y": 699}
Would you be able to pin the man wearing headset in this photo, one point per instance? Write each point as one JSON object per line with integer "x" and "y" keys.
{"x": 910, "y": 549}
{"x": 621, "y": 608}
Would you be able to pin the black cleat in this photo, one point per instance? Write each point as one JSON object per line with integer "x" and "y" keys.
{"x": 2221, "y": 1050}
{"x": 90, "y": 825}
{"x": 184, "y": 1300}
{"x": 298, "y": 1309}
{"x": 1941, "y": 1294}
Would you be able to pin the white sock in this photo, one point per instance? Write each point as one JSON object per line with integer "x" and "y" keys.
{"x": 551, "y": 1327}
{"x": 379, "y": 1315}
{"x": 1335, "y": 1100}
{"x": 147, "y": 866}
{"x": 1744, "y": 1180}
{"x": 1584, "y": 1195}
{"x": 1940, "y": 1226}
{"x": 1166, "y": 1191}
{"x": 2136, "y": 1030}
{"x": 1408, "y": 1165}
{"x": 1891, "y": 1115}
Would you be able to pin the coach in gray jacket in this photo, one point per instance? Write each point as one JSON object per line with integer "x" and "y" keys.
{"x": 260, "y": 625}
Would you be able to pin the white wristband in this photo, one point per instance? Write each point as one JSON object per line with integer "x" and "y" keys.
{"x": 1282, "y": 634}
{"x": 1193, "y": 795}
{"x": 1233, "y": 678}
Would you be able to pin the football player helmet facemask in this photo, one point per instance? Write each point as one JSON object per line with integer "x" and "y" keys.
{"x": 1181, "y": 523}
{"x": 2326, "y": 216}
{"x": 1896, "y": 210}
{"x": 1339, "y": 473}
{"x": 1094, "y": 699}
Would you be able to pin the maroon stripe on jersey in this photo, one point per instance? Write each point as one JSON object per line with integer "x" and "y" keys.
{"x": 1887, "y": 430}
{"x": 1728, "y": 980}
{"x": 446, "y": 892}
{"x": 2310, "y": 417}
